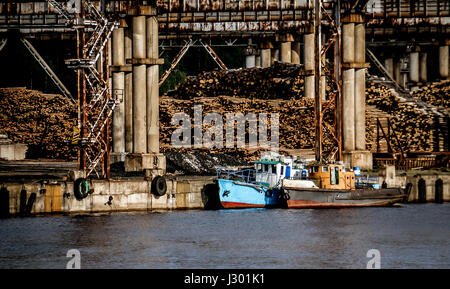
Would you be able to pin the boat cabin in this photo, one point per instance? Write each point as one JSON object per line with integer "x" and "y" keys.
{"x": 273, "y": 169}
{"x": 332, "y": 176}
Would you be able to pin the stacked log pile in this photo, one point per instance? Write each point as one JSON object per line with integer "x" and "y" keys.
{"x": 412, "y": 125}
{"x": 437, "y": 94}
{"x": 296, "y": 118}
{"x": 258, "y": 90}
{"x": 281, "y": 81}
{"x": 44, "y": 122}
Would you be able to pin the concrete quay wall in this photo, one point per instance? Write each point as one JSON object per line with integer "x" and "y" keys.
{"x": 109, "y": 196}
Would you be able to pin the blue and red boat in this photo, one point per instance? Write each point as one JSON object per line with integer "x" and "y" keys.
{"x": 235, "y": 194}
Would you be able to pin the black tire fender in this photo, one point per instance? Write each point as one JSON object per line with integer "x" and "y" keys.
{"x": 81, "y": 188}
{"x": 159, "y": 186}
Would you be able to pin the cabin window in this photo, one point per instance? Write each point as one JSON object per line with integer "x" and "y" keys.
{"x": 282, "y": 170}
{"x": 314, "y": 169}
{"x": 334, "y": 176}
{"x": 274, "y": 169}
{"x": 266, "y": 168}
{"x": 324, "y": 169}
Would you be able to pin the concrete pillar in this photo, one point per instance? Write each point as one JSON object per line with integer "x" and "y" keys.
{"x": 250, "y": 61}
{"x": 348, "y": 105}
{"x": 99, "y": 63}
{"x": 443, "y": 62}
{"x": 152, "y": 86}
{"x": 397, "y": 71}
{"x": 309, "y": 86}
{"x": 308, "y": 55}
{"x": 360, "y": 87}
{"x": 139, "y": 87}
{"x": 285, "y": 51}
{"x": 423, "y": 67}
{"x": 128, "y": 95}
{"x": 118, "y": 85}
{"x": 308, "y": 60}
{"x": 295, "y": 52}
{"x": 323, "y": 87}
{"x": 275, "y": 55}
{"x": 348, "y": 43}
{"x": 414, "y": 66}
{"x": 389, "y": 65}
{"x": 360, "y": 109}
{"x": 258, "y": 59}
{"x": 348, "y": 87}
{"x": 266, "y": 57}
{"x": 360, "y": 43}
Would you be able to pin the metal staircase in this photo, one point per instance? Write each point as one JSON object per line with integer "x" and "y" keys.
{"x": 95, "y": 103}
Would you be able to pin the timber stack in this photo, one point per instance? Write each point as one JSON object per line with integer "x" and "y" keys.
{"x": 280, "y": 89}
{"x": 44, "y": 122}
{"x": 436, "y": 94}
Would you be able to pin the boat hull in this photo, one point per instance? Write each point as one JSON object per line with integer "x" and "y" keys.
{"x": 324, "y": 198}
{"x": 239, "y": 195}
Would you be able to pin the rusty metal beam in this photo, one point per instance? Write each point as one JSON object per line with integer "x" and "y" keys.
{"x": 213, "y": 55}
{"x": 65, "y": 92}
{"x": 176, "y": 60}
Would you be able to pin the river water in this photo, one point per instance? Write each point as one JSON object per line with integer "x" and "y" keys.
{"x": 412, "y": 236}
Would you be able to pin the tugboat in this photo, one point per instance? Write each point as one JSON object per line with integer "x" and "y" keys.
{"x": 330, "y": 186}
{"x": 258, "y": 187}
{"x": 239, "y": 189}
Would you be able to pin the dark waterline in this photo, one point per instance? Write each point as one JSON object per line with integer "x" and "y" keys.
{"x": 413, "y": 236}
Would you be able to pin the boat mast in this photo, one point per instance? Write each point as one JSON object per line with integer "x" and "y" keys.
{"x": 317, "y": 78}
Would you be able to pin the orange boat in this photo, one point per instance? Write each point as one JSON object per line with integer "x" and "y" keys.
{"x": 330, "y": 186}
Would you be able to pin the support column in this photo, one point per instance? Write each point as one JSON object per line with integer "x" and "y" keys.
{"x": 348, "y": 104}
{"x": 275, "y": 55}
{"x": 128, "y": 95}
{"x": 285, "y": 48}
{"x": 403, "y": 73}
{"x": 308, "y": 60}
{"x": 285, "y": 51}
{"x": 443, "y": 62}
{"x": 152, "y": 87}
{"x": 348, "y": 87}
{"x": 360, "y": 87}
{"x": 397, "y": 70}
{"x": 423, "y": 67}
{"x": 389, "y": 65}
{"x": 250, "y": 58}
{"x": 118, "y": 85}
{"x": 266, "y": 58}
{"x": 258, "y": 59}
{"x": 139, "y": 87}
{"x": 414, "y": 67}
{"x": 295, "y": 52}
{"x": 146, "y": 156}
